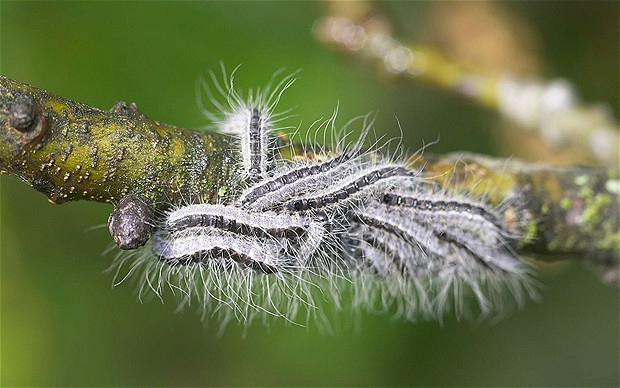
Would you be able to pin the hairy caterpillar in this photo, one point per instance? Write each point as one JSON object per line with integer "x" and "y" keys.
{"x": 351, "y": 218}
{"x": 237, "y": 220}
{"x": 348, "y": 187}
{"x": 197, "y": 244}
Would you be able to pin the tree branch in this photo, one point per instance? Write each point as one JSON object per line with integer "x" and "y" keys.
{"x": 70, "y": 151}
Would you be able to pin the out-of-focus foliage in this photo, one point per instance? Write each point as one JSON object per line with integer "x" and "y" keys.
{"x": 63, "y": 324}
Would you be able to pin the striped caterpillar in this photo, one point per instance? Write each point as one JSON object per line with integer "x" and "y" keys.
{"x": 349, "y": 218}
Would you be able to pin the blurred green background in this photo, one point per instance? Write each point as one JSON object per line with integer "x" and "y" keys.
{"x": 62, "y": 322}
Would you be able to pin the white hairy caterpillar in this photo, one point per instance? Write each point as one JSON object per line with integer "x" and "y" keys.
{"x": 473, "y": 222}
{"x": 291, "y": 232}
{"x": 346, "y": 219}
{"x": 348, "y": 187}
{"x": 257, "y": 142}
{"x": 291, "y": 175}
{"x": 252, "y": 120}
{"x": 291, "y": 180}
{"x": 237, "y": 220}
{"x": 396, "y": 222}
{"x": 463, "y": 210}
{"x": 261, "y": 158}
{"x": 198, "y": 244}
{"x": 438, "y": 237}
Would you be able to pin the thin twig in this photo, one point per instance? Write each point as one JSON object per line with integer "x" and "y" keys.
{"x": 549, "y": 107}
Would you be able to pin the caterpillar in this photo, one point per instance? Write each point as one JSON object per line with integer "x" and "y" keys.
{"x": 348, "y": 187}
{"x": 352, "y": 217}
{"x": 236, "y": 220}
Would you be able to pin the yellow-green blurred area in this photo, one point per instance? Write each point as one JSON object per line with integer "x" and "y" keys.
{"x": 63, "y": 324}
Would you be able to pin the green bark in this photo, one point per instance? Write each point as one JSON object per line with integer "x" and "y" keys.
{"x": 73, "y": 151}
